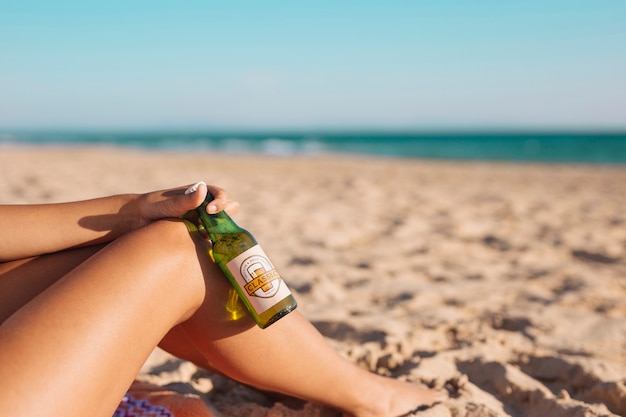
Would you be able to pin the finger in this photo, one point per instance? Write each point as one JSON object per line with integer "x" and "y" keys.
{"x": 193, "y": 188}
{"x": 220, "y": 199}
{"x": 198, "y": 192}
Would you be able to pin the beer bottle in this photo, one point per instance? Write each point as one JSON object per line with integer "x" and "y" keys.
{"x": 247, "y": 267}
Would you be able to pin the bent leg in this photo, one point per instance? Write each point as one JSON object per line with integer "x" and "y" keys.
{"x": 290, "y": 357}
{"x": 76, "y": 347}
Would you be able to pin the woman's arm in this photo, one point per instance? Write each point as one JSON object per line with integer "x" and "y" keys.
{"x": 31, "y": 230}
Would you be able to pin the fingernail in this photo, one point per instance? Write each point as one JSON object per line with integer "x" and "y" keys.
{"x": 194, "y": 187}
{"x": 212, "y": 208}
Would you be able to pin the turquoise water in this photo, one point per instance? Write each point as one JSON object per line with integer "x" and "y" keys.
{"x": 553, "y": 147}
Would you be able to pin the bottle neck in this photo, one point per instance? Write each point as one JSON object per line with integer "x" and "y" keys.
{"x": 218, "y": 223}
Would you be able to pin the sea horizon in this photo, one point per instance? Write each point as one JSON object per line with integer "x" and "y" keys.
{"x": 593, "y": 146}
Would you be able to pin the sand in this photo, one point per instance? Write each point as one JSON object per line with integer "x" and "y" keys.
{"x": 504, "y": 283}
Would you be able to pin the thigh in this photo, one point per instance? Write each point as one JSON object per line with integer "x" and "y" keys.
{"x": 76, "y": 347}
{"x": 24, "y": 279}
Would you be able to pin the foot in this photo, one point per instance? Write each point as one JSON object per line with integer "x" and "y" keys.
{"x": 397, "y": 398}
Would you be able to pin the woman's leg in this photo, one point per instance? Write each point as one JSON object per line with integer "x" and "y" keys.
{"x": 24, "y": 279}
{"x": 97, "y": 325}
{"x": 293, "y": 358}
{"x": 290, "y": 357}
{"x": 76, "y": 347}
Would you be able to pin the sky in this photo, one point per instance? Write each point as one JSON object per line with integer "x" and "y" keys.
{"x": 140, "y": 64}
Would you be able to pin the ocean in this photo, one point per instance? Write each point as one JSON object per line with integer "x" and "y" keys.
{"x": 545, "y": 147}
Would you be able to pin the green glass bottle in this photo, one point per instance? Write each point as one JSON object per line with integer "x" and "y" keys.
{"x": 247, "y": 267}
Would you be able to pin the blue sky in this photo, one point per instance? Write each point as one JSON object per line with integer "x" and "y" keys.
{"x": 313, "y": 65}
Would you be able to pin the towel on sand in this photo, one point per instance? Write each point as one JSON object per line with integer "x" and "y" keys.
{"x": 148, "y": 400}
{"x": 132, "y": 407}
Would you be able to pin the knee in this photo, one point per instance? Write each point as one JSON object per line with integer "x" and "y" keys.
{"x": 176, "y": 254}
{"x": 169, "y": 237}
{"x": 172, "y": 234}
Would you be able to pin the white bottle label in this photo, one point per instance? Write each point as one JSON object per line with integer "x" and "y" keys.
{"x": 260, "y": 281}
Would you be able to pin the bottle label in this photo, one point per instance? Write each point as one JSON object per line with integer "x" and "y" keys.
{"x": 260, "y": 281}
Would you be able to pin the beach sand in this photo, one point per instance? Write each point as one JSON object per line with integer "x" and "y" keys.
{"x": 504, "y": 283}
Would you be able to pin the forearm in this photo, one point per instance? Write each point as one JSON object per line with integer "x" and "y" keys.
{"x": 30, "y": 230}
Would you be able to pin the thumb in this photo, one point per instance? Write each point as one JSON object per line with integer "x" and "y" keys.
{"x": 195, "y": 195}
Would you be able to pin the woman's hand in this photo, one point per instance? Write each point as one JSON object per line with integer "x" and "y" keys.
{"x": 178, "y": 201}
